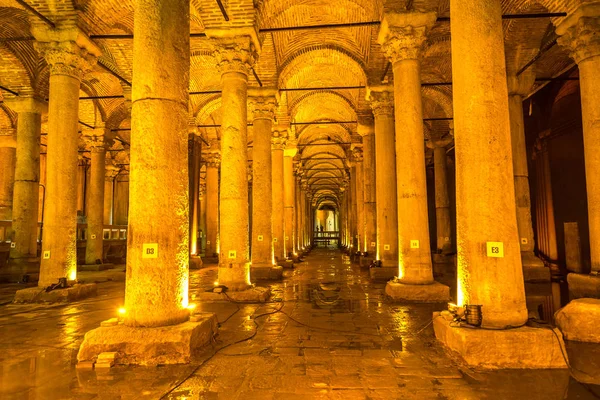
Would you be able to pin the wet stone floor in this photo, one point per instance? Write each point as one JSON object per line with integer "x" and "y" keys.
{"x": 328, "y": 333}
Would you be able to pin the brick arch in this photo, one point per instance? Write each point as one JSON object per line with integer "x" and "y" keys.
{"x": 323, "y": 96}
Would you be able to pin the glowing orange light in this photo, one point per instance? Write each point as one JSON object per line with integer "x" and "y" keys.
{"x": 216, "y": 283}
{"x": 122, "y": 311}
{"x": 191, "y": 306}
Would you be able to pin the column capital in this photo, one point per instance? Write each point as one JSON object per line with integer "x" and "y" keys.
{"x": 262, "y": 103}
{"x": 402, "y": 35}
{"x": 357, "y": 154}
{"x": 382, "y": 100}
{"x": 290, "y": 149}
{"x": 68, "y": 51}
{"x": 110, "y": 172}
{"x": 366, "y": 125}
{"x": 97, "y": 139}
{"x": 434, "y": 142}
{"x": 521, "y": 85}
{"x": 279, "y": 138}
{"x": 580, "y": 32}
{"x": 33, "y": 105}
{"x": 212, "y": 159}
{"x": 235, "y": 53}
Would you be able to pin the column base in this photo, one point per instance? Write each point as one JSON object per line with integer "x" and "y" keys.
{"x": 534, "y": 269}
{"x": 366, "y": 260}
{"x": 19, "y": 267}
{"x": 583, "y": 285}
{"x": 174, "y": 344}
{"x": 211, "y": 260}
{"x": 440, "y": 258}
{"x": 519, "y": 348}
{"x": 578, "y": 320}
{"x": 287, "y": 264}
{"x": 94, "y": 267}
{"x": 196, "y": 262}
{"x": 384, "y": 273}
{"x": 265, "y": 272}
{"x": 252, "y": 295}
{"x": 67, "y": 295}
{"x": 584, "y": 359}
{"x": 431, "y": 293}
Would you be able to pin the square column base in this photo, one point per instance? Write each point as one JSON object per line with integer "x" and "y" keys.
{"x": 253, "y": 295}
{"x": 287, "y": 264}
{"x": 174, "y": 344}
{"x": 365, "y": 261}
{"x": 210, "y": 260}
{"x": 578, "y": 320}
{"x": 265, "y": 272}
{"x": 94, "y": 267}
{"x": 383, "y": 273}
{"x": 67, "y": 295}
{"x": 196, "y": 262}
{"x": 432, "y": 293}
{"x": 583, "y": 285}
{"x": 519, "y": 348}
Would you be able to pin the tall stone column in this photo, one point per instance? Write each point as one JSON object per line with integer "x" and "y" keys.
{"x": 518, "y": 87}
{"x": 382, "y": 102}
{"x": 194, "y": 157}
{"x": 278, "y": 142}
{"x": 8, "y": 160}
{"x": 262, "y": 104}
{"x": 489, "y": 256}
{"x": 235, "y": 56}
{"x": 111, "y": 171}
{"x": 357, "y": 157}
{"x": 97, "y": 140}
{"x": 202, "y": 222}
{"x": 69, "y": 54}
{"x": 442, "y": 199}
{"x": 366, "y": 130}
{"x": 580, "y": 32}
{"x": 402, "y": 36}
{"x": 213, "y": 161}
{"x": 288, "y": 200}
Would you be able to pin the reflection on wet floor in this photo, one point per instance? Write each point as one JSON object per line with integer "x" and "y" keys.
{"x": 328, "y": 333}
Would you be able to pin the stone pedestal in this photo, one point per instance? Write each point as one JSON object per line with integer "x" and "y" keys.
{"x": 251, "y": 295}
{"x": 520, "y": 348}
{"x": 432, "y": 293}
{"x": 583, "y": 285}
{"x": 578, "y": 320}
{"x": 176, "y": 344}
{"x": 67, "y": 295}
{"x": 266, "y": 272}
{"x": 383, "y": 273}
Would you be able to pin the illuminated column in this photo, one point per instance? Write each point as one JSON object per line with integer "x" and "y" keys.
{"x": 202, "y": 223}
{"x": 357, "y": 157}
{"x": 382, "y": 102}
{"x": 156, "y": 293}
{"x": 262, "y": 104}
{"x": 213, "y": 160}
{"x": 518, "y": 87}
{"x": 402, "y": 37}
{"x": 235, "y": 56}
{"x": 580, "y": 32}
{"x": 489, "y": 256}
{"x": 111, "y": 172}
{"x": 194, "y": 157}
{"x": 366, "y": 130}
{"x": 442, "y": 200}
{"x": 96, "y": 140}
{"x": 288, "y": 201}
{"x": 69, "y": 54}
{"x": 27, "y": 176}
{"x": 8, "y": 158}
{"x": 278, "y": 142}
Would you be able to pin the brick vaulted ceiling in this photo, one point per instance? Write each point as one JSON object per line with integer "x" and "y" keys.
{"x": 348, "y": 56}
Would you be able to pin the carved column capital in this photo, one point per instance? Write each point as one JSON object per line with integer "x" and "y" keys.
{"x": 212, "y": 159}
{"x": 279, "y": 139}
{"x": 580, "y": 32}
{"x": 110, "y": 172}
{"x": 382, "y": 100}
{"x": 435, "y": 142}
{"x": 402, "y": 35}
{"x": 261, "y": 105}
{"x": 97, "y": 140}
{"x": 357, "y": 155}
{"x": 234, "y": 54}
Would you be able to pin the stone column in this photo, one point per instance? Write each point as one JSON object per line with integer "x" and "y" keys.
{"x": 580, "y": 32}
{"x": 261, "y": 104}
{"x": 27, "y": 176}
{"x": 382, "y": 102}
{"x": 111, "y": 171}
{"x": 278, "y": 142}
{"x": 202, "y": 222}
{"x": 518, "y": 87}
{"x": 194, "y": 156}
{"x": 489, "y": 256}
{"x": 8, "y": 158}
{"x": 235, "y": 56}
{"x": 366, "y": 130}
{"x": 402, "y": 36}
{"x": 288, "y": 201}
{"x": 213, "y": 161}
{"x": 442, "y": 200}
{"x": 357, "y": 157}
{"x": 97, "y": 141}
{"x": 69, "y": 54}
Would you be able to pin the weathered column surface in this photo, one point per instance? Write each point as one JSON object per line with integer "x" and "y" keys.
{"x": 357, "y": 157}
{"x": 382, "y": 102}
{"x": 489, "y": 257}
{"x": 97, "y": 141}
{"x": 194, "y": 156}
{"x": 202, "y": 222}
{"x": 27, "y": 176}
{"x": 402, "y": 36}
{"x": 278, "y": 142}
{"x": 69, "y": 54}
{"x": 8, "y": 159}
{"x": 235, "y": 56}
{"x": 580, "y": 32}
{"x": 288, "y": 200}
{"x": 442, "y": 200}
{"x": 261, "y": 104}
{"x": 518, "y": 87}
{"x": 111, "y": 171}
{"x": 366, "y": 130}
{"x": 213, "y": 160}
